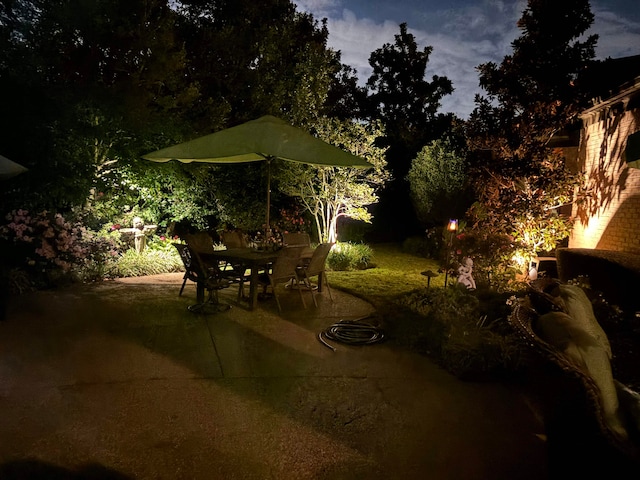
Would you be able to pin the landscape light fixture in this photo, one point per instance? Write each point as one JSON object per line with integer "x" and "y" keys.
{"x": 452, "y": 228}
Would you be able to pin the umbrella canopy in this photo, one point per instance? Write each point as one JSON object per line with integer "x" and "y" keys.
{"x": 9, "y": 169}
{"x": 263, "y": 139}
{"x": 632, "y": 152}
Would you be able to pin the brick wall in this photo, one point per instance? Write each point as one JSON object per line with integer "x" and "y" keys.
{"x": 608, "y": 214}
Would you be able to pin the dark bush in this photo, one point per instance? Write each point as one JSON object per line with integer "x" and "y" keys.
{"x": 473, "y": 338}
{"x": 615, "y": 274}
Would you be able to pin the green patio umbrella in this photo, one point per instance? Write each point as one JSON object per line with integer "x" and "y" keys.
{"x": 9, "y": 168}
{"x": 264, "y": 139}
{"x": 632, "y": 152}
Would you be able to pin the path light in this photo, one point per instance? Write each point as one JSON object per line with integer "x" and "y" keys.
{"x": 452, "y": 228}
{"x": 429, "y": 274}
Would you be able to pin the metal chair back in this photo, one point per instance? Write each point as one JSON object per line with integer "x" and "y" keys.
{"x": 316, "y": 267}
{"x": 233, "y": 239}
{"x": 296, "y": 238}
{"x": 283, "y": 270}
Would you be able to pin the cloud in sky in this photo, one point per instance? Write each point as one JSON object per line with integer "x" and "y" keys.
{"x": 463, "y": 33}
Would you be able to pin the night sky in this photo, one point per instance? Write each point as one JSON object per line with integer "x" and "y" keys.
{"x": 463, "y": 33}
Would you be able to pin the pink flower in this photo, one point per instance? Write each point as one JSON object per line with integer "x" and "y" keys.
{"x": 46, "y": 250}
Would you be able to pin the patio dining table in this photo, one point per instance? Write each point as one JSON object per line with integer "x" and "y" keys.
{"x": 252, "y": 259}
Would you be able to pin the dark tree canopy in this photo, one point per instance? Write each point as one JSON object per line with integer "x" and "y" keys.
{"x": 403, "y": 99}
{"x": 255, "y": 58}
{"x": 536, "y": 90}
{"x": 94, "y": 84}
{"x": 83, "y": 80}
{"x": 407, "y": 104}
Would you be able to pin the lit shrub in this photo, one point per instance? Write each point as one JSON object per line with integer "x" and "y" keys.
{"x": 493, "y": 257}
{"x": 151, "y": 261}
{"x": 349, "y": 256}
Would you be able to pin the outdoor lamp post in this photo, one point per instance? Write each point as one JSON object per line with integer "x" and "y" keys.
{"x": 452, "y": 228}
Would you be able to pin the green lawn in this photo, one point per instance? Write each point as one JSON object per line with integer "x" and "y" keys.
{"x": 394, "y": 273}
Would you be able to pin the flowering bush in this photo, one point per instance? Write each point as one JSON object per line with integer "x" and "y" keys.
{"x": 291, "y": 220}
{"x": 492, "y": 256}
{"x": 52, "y": 248}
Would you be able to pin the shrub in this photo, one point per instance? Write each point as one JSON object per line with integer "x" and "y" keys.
{"x": 52, "y": 249}
{"x": 164, "y": 244}
{"x": 475, "y": 341}
{"x": 150, "y": 261}
{"x": 615, "y": 274}
{"x": 492, "y": 256}
{"x": 349, "y": 256}
{"x": 428, "y": 246}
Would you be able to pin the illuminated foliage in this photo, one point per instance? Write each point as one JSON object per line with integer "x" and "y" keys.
{"x": 331, "y": 193}
{"x": 532, "y": 94}
{"x": 438, "y": 181}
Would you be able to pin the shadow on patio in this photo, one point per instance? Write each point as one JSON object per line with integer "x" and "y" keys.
{"x": 121, "y": 374}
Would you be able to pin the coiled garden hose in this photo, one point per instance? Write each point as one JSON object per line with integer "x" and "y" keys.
{"x": 351, "y": 332}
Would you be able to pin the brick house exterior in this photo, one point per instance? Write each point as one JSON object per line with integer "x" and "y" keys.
{"x": 608, "y": 216}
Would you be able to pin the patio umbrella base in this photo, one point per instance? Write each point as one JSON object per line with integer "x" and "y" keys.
{"x": 209, "y": 308}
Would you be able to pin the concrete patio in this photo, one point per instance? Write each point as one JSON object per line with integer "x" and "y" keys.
{"x": 118, "y": 380}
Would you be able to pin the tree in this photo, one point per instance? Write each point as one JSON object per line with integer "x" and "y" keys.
{"x": 94, "y": 84}
{"x": 403, "y": 100}
{"x": 331, "y": 193}
{"x": 86, "y": 81}
{"x": 257, "y": 58}
{"x": 346, "y": 100}
{"x": 438, "y": 181}
{"x": 532, "y": 94}
{"x": 407, "y": 105}
{"x": 251, "y": 59}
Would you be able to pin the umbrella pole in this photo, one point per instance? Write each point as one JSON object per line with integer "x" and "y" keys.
{"x": 268, "y": 226}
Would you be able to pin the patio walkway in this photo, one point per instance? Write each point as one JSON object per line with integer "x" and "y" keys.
{"x": 118, "y": 380}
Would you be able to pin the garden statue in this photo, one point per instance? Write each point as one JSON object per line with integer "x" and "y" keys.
{"x": 533, "y": 271}
{"x": 464, "y": 274}
{"x": 139, "y": 235}
{"x": 139, "y": 232}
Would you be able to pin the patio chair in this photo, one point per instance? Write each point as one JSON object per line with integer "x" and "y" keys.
{"x": 283, "y": 270}
{"x": 234, "y": 239}
{"x": 316, "y": 267}
{"x": 207, "y": 276}
{"x": 296, "y": 238}
{"x": 186, "y": 261}
{"x": 203, "y": 244}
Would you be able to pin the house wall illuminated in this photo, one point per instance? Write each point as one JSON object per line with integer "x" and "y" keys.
{"x": 607, "y": 212}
